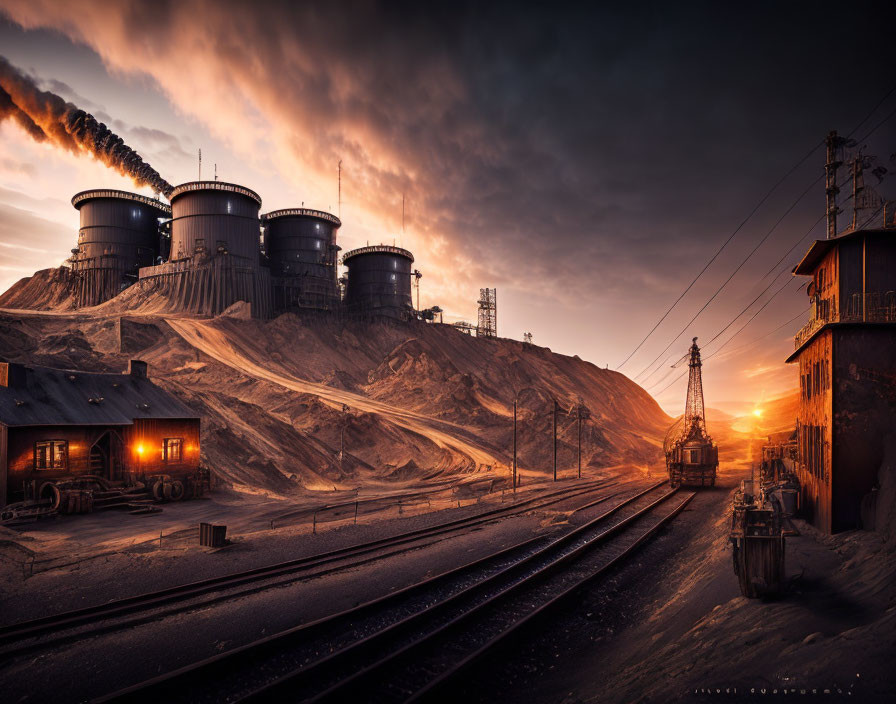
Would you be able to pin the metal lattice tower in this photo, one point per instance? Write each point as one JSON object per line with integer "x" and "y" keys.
{"x": 488, "y": 313}
{"x": 694, "y": 412}
{"x": 831, "y": 189}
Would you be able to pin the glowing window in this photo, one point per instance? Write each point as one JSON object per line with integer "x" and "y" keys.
{"x": 51, "y": 454}
{"x": 229, "y": 207}
{"x": 393, "y": 277}
{"x": 172, "y": 449}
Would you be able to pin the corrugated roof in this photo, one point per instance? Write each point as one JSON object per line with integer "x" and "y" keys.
{"x": 63, "y": 397}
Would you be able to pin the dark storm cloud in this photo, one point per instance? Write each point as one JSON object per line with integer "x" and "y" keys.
{"x": 587, "y": 152}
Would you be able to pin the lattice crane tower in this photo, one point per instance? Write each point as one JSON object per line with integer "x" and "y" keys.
{"x": 694, "y": 412}
{"x": 488, "y": 313}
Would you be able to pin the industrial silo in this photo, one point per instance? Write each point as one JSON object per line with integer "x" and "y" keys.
{"x": 215, "y": 251}
{"x": 302, "y": 251}
{"x": 214, "y": 217}
{"x": 119, "y": 233}
{"x": 379, "y": 282}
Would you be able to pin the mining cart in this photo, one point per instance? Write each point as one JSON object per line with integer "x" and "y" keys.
{"x": 760, "y": 523}
{"x": 691, "y": 457}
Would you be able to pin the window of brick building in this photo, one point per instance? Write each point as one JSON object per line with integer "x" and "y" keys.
{"x": 51, "y": 454}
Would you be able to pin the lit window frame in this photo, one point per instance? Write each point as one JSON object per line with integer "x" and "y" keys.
{"x": 54, "y": 460}
{"x": 168, "y": 444}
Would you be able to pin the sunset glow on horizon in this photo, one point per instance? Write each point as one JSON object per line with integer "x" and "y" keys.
{"x": 589, "y": 222}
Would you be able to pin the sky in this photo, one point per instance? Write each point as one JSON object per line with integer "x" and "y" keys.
{"x": 586, "y": 162}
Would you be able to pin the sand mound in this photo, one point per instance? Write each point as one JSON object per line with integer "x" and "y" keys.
{"x": 279, "y": 398}
{"x": 47, "y": 289}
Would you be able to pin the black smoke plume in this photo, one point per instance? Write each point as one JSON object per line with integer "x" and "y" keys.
{"x": 48, "y": 117}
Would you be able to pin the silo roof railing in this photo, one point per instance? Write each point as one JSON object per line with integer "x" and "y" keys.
{"x": 96, "y": 193}
{"x": 214, "y": 186}
{"x": 302, "y": 212}
{"x": 378, "y": 249}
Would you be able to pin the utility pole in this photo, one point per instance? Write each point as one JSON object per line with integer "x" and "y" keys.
{"x": 831, "y": 189}
{"x": 342, "y": 437}
{"x": 555, "y": 439}
{"x": 417, "y": 274}
{"x": 858, "y": 185}
{"x": 579, "y": 423}
{"x": 514, "y": 444}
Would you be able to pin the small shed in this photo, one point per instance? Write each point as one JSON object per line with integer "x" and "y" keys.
{"x": 60, "y": 423}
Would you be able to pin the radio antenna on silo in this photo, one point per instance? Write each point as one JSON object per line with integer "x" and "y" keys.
{"x": 200, "y": 165}
{"x": 216, "y": 172}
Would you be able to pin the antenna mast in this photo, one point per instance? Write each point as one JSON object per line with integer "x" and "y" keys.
{"x": 858, "y": 185}
{"x": 200, "y": 165}
{"x": 339, "y": 203}
{"x": 833, "y": 142}
{"x": 417, "y": 274}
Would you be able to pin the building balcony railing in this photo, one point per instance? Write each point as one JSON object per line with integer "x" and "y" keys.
{"x": 876, "y": 307}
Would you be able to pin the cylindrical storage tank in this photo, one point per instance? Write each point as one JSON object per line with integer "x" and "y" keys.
{"x": 214, "y": 217}
{"x": 119, "y": 233}
{"x": 302, "y": 251}
{"x": 379, "y": 281}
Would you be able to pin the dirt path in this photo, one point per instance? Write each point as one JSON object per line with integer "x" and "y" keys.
{"x": 213, "y": 343}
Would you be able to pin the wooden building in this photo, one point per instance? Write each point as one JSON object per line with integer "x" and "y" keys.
{"x": 61, "y": 423}
{"x": 847, "y": 362}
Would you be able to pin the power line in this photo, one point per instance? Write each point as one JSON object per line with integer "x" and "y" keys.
{"x": 665, "y": 315}
{"x": 719, "y": 251}
{"x": 666, "y": 375}
{"x": 752, "y": 302}
{"x": 734, "y": 273}
{"x": 771, "y": 283}
{"x": 799, "y": 315}
{"x": 752, "y": 317}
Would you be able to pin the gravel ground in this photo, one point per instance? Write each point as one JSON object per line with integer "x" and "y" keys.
{"x": 671, "y": 625}
{"x": 84, "y": 669}
{"x": 113, "y": 557}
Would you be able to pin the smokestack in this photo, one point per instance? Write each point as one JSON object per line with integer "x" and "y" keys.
{"x": 48, "y": 117}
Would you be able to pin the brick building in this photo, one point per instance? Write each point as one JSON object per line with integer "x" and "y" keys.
{"x": 847, "y": 363}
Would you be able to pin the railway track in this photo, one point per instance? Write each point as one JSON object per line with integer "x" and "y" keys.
{"x": 413, "y": 642}
{"x": 38, "y": 634}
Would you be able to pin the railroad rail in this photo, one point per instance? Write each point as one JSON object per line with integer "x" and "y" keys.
{"x": 150, "y": 606}
{"x": 414, "y": 641}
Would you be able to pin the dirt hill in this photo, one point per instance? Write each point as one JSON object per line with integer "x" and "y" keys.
{"x": 420, "y": 400}
{"x": 47, "y": 289}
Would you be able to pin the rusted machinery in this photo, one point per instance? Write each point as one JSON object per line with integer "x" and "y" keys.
{"x": 760, "y": 522}
{"x": 87, "y": 493}
{"x": 691, "y": 457}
